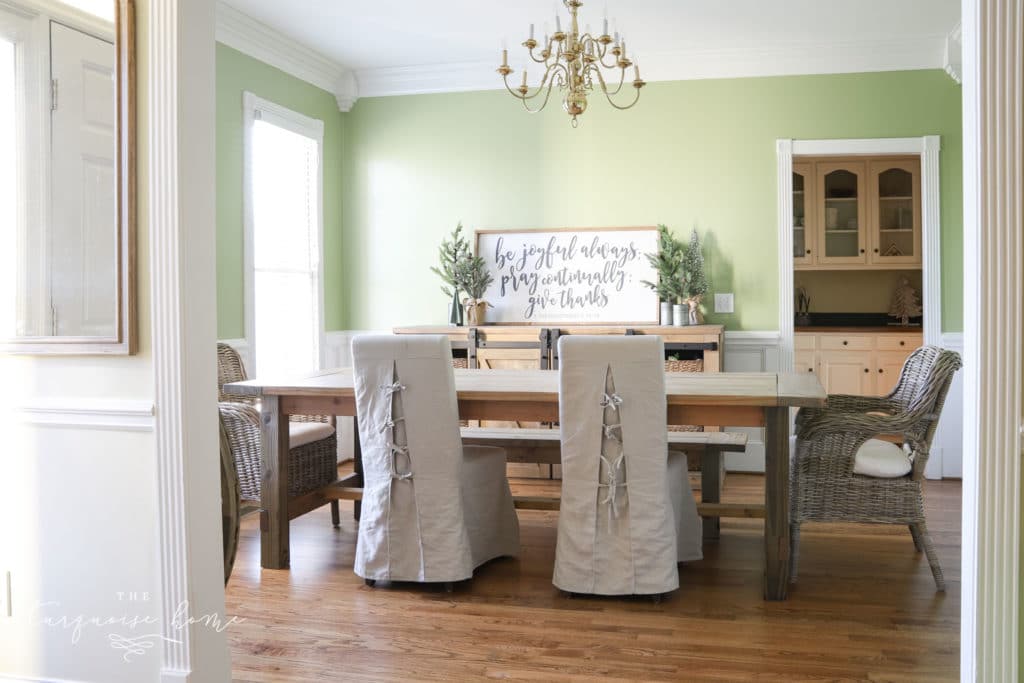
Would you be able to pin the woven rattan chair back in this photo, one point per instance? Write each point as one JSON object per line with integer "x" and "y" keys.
{"x": 230, "y": 369}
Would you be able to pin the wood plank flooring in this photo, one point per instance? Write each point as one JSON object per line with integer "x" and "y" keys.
{"x": 864, "y": 608}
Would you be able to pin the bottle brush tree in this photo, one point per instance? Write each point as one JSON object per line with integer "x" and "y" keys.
{"x": 695, "y": 284}
{"x": 452, "y": 251}
{"x": 667, "y": 264}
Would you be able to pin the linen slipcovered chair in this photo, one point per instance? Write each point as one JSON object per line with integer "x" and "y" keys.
{"x": 433, "y": 509}
{"x": 842, "y": 473}
{"x": 312, "y": 459}
{"x": 628, "y": 516}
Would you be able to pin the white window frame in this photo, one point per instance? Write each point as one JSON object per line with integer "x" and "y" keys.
{"x": 256, "y": 108}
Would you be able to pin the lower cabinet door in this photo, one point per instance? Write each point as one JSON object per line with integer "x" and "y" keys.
{"x": 887, "y": 370}
{"x": 804, "y": 361}
{"x": 845, "y": 372}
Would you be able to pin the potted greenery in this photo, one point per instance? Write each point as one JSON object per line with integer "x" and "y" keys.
{"x": 667, "y": 264}
{"x": 696, "y": 282}
{"x": 450, "y": 253}
{"x": 472, "y": 277}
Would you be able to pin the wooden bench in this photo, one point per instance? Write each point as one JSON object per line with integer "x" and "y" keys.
{"x": 543, "y": 446}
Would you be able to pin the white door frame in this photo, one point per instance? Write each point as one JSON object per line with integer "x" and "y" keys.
{"x": 993, "y": 106}
{"x": 177, "y": 144}
{"x": 253, "y": 109}
{"x": 928, "y": 148}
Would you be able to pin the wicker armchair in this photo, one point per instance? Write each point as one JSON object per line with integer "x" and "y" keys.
{"x": 313, "y": 459}
{"x": 824, "y": 484}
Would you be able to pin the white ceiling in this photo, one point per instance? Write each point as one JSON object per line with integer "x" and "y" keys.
{"x": 396, "y": 46}
{"x": 391, "y": 33}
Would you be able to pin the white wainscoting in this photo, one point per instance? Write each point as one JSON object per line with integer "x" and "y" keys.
{"x": 750, "y": 352}
{"x": 88, "y": 413}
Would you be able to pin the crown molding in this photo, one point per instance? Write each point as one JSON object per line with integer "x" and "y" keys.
{"x": 782, "y": 59}
{"x": 254, "y": 38}
{"x": 953, "y": 59}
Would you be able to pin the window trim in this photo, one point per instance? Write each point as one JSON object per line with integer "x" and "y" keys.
{"x": 257, "y": 108}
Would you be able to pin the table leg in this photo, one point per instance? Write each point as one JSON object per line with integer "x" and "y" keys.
{"x": 711, "y": 487}
{"x": 274, "y": 486}
{"x": 357, "y": 466}
{"x": 776, "y": 522}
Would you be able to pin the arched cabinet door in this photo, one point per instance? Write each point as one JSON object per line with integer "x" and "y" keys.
{"x": 842, "y": 216}
{"x": 804, "y": 215}
{"x": 895, "y": 197}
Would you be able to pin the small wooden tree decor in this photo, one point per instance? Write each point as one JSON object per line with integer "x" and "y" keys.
{"x": 906, "y": 303}
{"x": 472, "y": 277}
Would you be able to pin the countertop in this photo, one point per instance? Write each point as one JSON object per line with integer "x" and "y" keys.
{"x": 852, "y": 329}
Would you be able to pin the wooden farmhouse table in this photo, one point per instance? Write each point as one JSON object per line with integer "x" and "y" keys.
{"x": 720, "y": 399}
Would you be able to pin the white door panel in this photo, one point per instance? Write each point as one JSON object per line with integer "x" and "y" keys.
{"x": 83, "y": 249}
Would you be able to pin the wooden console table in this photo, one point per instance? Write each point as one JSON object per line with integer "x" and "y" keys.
{"x": 496, "y": 345}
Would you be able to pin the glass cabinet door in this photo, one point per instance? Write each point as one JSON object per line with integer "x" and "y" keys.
{"x": 842, "y": 217}
{"x": 896, "y": 212}
{"x": 803, "y": 214}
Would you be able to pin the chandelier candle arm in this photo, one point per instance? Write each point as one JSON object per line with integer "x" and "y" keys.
{"x": 571, "y": 60}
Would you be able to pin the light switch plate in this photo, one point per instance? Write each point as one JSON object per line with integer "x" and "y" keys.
{"x": 723, "y": 303}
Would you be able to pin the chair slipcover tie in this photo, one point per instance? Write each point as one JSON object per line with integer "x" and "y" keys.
{"x": 613, "y": 484}
{"x": 398, "y": 450}
{"x": 609, "y": 432}
{"x": 390, "y": 390}
{"x": 612, "y": 401}
{"x": 390, "y": 423}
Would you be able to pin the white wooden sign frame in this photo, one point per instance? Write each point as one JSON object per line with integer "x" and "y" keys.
{"x": 531, "y": 285}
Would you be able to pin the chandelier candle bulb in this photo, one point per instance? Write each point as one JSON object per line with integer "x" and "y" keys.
{"x": 558, "y": 24}
{"x": 531, "y": 31}
{"x": 524, "y": 78}
{"x": 504, "y": 57}
{"x": 605, "y": 31}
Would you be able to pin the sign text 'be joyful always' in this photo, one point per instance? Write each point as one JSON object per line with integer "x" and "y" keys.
{"x": 586, "y": 276}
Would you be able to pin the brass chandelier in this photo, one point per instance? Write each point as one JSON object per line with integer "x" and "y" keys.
{"x": 574, "y": 63}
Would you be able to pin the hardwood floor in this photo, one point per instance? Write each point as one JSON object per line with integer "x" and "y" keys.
{"x": 864, "y": 608}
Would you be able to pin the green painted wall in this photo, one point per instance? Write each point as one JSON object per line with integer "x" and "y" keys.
{"x": 691, "y": 153}
{"x": 236, "y": 73}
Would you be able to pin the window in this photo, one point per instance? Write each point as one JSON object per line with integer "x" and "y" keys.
{"x": 284, "y": 300}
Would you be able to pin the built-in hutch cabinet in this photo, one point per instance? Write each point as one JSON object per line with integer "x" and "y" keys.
{"x": 860, "y": 363}
{"x": 857, "y": 213}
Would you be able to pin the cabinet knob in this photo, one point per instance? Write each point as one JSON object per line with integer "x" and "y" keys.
{"x": 810, "y": 369}
{"x": 862, "y": 251}
{"x": 876, "y": 250}
{"x": 808, "y": 251}
{"x": 903, "y": 343}
{"x": 880, "y": 371}
{"x": 845, "y": 342}
{"x": 866, "y": 370}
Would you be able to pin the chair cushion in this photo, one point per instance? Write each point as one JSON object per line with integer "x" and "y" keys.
{"x": 302, "y": 433}
{"x": 882, "y": 459}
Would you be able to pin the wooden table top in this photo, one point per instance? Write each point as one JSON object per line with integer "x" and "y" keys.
{"x": 541, "y": 386}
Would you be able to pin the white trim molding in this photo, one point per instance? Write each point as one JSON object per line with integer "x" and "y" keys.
{"x": 108, "y": 414}
{"x": 993, "y": 178}
{"x": 179, "y": 132}
{"x": 953, "y": 56}
{"x": 254, "y": 38}
{"x": 780, "y": 59}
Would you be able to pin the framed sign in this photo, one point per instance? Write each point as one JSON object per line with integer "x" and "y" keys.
{"x": 570, "y": 275}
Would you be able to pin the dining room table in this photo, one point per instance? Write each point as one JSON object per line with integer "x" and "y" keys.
{"x": 726, "y": 399}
